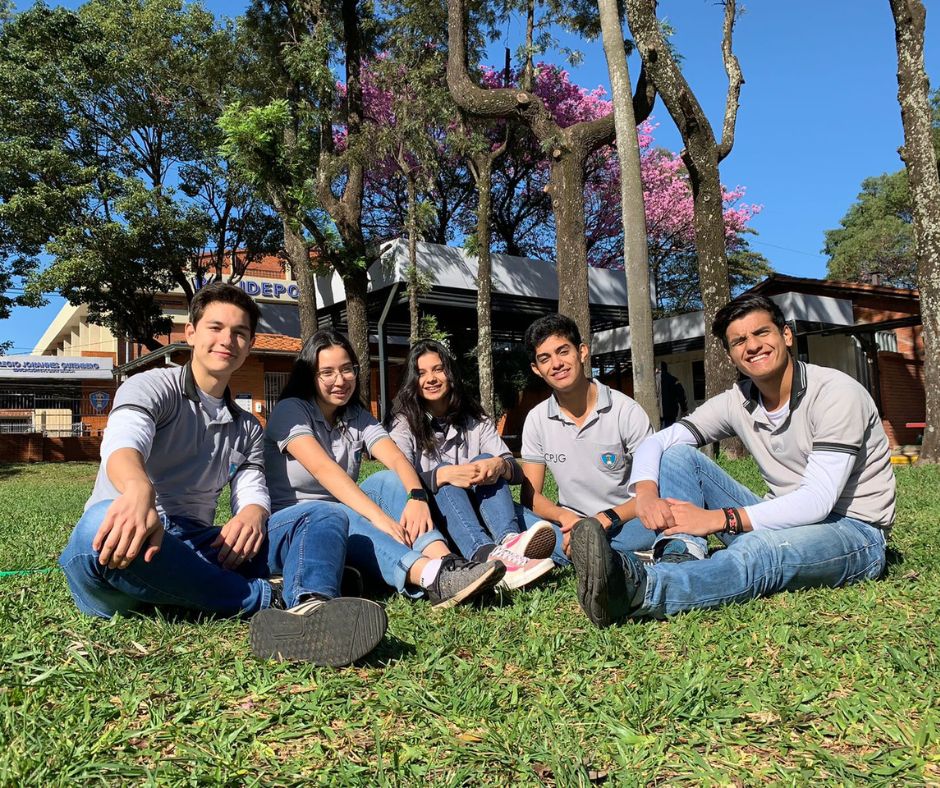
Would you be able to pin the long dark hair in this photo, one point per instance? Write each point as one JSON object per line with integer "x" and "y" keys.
{"x": 462, "y": 406}
{"x": 302, "y": 382}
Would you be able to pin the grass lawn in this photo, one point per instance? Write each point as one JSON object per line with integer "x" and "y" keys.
{"x": 822, "y": 686}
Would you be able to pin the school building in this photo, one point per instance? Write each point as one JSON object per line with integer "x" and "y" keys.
{"x": 56, "y": 412}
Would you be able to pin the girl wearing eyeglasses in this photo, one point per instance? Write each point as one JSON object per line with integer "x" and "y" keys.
{"x": 442, "y": 430}
{"x": 314, "y": 441}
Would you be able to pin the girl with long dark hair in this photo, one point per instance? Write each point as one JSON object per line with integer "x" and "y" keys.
{"x": 442, "y": 430}
{"x": 314, "y": 441}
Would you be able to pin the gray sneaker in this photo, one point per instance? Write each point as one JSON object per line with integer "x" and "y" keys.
{"x": 459, "y": 580}
{"x": 330, "y": 632}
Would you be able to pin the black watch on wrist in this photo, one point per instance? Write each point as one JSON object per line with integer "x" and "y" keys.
{"x": 418, "y": 494}
{"x": 613, "y": 517}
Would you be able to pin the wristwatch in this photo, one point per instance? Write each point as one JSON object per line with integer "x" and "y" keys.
{"x": 613, "y": 517}
{"x": 418, "y": 494}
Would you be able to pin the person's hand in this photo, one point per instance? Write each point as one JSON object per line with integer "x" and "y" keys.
{"x": 416, "y": 519}
{"x": 489, "y": 470}
{"x": 457, "y": 475}
{"x": 690, "y": 519}
{"x": 241, "y": 537}
{"x": 654, "y": 512}
{"x": 604, "y": 520}
{"x": 566, "y": 521}
{"x": 393, "y": 529}
{"x": 131, "y": 523}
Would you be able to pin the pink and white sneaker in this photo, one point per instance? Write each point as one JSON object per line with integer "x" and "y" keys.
{"x": 520, "y": 571}
{"x": 536, "y": 542}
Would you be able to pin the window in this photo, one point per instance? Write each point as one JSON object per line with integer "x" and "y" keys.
{"x": 273, "y": 385}
{"x": 887, "y": 341}
{"x": 698, "y": 381}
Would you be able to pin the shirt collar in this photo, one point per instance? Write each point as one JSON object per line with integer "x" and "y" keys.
{"x": 797, "y": 390}
{"x": 603, "y": 401}
{"x": 192, "y": 392}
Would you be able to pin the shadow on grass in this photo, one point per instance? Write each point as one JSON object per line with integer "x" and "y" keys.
{"x": 10, "y": 471}
{"x": 391, "y": 649}
{"x": 893, "y": 558}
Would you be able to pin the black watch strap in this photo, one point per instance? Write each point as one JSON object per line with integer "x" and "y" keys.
{"x": 418, "y": 494}
{"x": 613, "y": 517}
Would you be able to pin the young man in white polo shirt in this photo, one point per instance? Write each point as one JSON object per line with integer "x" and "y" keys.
{"x": 586, "y": 434}
{"x": 818, "y": 441}
{"x": 174, "y": 439}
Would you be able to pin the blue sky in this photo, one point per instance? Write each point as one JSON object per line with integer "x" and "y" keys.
{"x": 818, "y": 114}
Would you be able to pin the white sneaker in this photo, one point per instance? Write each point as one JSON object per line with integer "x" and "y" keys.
{"x": 520, "y": 571}
{"x": 536, "y": 542}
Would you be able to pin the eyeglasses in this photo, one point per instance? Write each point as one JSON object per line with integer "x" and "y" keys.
{"x": 329, "y": 375}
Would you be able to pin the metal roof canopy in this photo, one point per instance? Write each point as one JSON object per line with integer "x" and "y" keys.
{"x": 523, "y": 290}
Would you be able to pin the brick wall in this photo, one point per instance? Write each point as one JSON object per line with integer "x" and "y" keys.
{"x": 902, "y": 396}
{"x": 33, "y": 447}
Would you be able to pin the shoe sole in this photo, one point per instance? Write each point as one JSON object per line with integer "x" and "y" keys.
{"x": 538, "y": 542}
{"x": 337, "y": 633}
{"x": 522, "y": 578}
{"x": 591, "y": 556}
{"x": 482, "y": 583}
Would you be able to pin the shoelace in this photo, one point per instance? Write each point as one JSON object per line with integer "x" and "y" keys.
{"x": 305, "y": 607}
{"x": 500, "y": 553}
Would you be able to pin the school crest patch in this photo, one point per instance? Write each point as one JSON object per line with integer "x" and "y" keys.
{"x": 609, "y": 459}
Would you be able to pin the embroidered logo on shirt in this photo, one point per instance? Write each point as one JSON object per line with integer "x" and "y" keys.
{"x": 609, "y": 460}
{"x": 232, "y": 468}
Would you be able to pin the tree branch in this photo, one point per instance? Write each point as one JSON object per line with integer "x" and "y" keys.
{"x": 735, "y": 80}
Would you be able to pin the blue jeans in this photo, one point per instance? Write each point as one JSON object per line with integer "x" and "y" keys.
{"x": 835, "y": 552}
{"x": 306, "y": 543}
{"x": 480, "y": 516}
{"x": 373, "y": 551}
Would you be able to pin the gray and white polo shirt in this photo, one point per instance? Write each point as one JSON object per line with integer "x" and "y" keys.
{"x": 590, "y": 463}
{"x": 829, "y": 411}
{"x": 288, "y": 480}
{"x": 189, "y": 454}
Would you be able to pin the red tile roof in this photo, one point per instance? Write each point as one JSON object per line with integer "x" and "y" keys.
{"x": 276, "y": 343}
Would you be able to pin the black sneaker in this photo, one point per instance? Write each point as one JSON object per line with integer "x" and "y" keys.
{"x": 459, "y": 580}
{"x": 329, "y": 632}
{"x": 610, "y": 585}
{"x": 673, "y": 551}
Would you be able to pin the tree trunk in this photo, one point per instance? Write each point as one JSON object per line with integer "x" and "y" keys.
{"x": 483, "y": 166}
{"x": 910, "y": 19}
{"x": 413, "y": 280}
{"x": 635, "y": 244}
{"x": 701, "y": 156}
{"x": 566, "y": 188}
{"x": 298, "y": 256}
{"x": 356, "y": 283}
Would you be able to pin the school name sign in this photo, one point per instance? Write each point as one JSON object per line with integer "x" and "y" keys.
{"x": 56, "y": 367}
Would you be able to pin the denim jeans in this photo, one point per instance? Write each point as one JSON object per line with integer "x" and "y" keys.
{"x": 627, "y": 537}
{"x": 835, "y": 552}
{"x": 479, "y": 516}
{"x": 306, "y": 543}
{"x": 373, "y": 551}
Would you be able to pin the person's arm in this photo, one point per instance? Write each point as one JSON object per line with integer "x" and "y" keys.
{"x": 823, "y": 481}
{"x": 416, "y": 517}
{"x": 654, "y": 512}
{"x": 131, "y": 522}
{"x": 501, "y": 465}
{"x": 532, "y": 497}
{"x": 243, "y": 535}
{"x": 308, "y": 452}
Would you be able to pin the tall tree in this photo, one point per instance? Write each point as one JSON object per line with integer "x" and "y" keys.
{"x": 702, "y": 155}
{"x": 633, "y": 212}
{"x": 568, "y": 150}
{"x": 910, "y": 19}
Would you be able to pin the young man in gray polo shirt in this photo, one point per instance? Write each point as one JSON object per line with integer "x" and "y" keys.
{"x": 818, "y": 441}
{"x": 586, "y": 433}
{"x": 174, "y": 439}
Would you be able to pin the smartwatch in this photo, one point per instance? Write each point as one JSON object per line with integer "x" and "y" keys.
{"x": 613, "y": 517}
{"x": 418, "y": 494}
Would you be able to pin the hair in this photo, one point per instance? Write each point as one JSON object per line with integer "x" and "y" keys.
{"x": 302, "y": 382}
{"x": 224, "y": 293}
{"x": 741, "y": 306}
{"x": 551, "y": 326}
{"x": 462, "y": 406}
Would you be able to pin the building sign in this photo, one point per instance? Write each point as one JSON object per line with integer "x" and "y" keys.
{"x": 56, "y": 367}
{"x": 276, "y": 290}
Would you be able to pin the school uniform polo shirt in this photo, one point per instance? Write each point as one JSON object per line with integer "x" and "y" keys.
{"x": 829, "y": 411}
{"x": 455, "y": 446}
{"x": 189, "y": 454}
{"x": 288, "y": 480}
{"x": 590, "y": 463}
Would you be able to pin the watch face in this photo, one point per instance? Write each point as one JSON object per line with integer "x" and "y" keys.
{"x": 418, "y": 495}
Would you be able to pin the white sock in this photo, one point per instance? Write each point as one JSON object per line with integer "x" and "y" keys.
{"x": 430, "y": 572}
